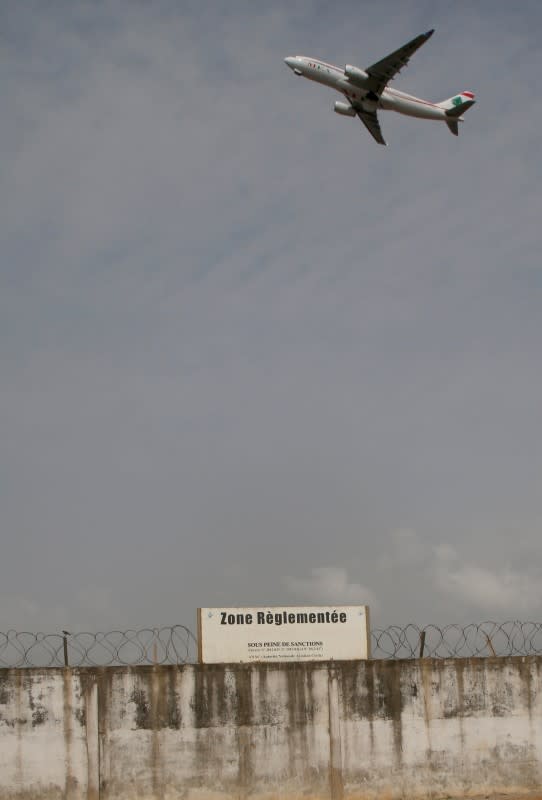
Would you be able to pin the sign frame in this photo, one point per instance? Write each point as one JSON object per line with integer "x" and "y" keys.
{"x": 275, "y": 634}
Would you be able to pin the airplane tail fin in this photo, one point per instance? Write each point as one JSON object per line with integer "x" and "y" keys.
{"x": 454, "y": 108}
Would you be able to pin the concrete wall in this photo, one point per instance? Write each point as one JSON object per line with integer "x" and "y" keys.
{"x": 344, "y": 730}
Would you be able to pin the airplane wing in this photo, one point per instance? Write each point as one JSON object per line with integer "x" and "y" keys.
{"x": 370, "y": 120}
{"x": 385, "y": 70}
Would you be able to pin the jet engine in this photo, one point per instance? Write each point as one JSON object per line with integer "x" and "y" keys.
{"x": 356, "y": 76}
{"x": 344, "y": 108}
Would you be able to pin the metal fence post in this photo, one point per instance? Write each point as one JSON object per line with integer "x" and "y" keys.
{"x": 65, "y": 643}
{"x": 422, "y": 643}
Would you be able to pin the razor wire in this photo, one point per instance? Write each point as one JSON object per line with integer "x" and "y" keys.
{"x": 482, "y": 639}
{"x": 169, "y": 645}
{"x": 177, "y": 644}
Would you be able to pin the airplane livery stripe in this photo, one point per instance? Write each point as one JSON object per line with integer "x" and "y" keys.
{"x": 410, "y": 97}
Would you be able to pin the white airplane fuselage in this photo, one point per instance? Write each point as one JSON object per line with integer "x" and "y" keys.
{"x": 390, "y": 99}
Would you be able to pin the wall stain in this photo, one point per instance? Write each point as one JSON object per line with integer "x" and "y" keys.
{"x": 460, "y": 703}
{"x": 336, "y": 782}
{"x": 244, "y": 713}
{"x": 81, "y": 716}
{"x": 355, "y": 695}
{"x": 267, "y": 711}
{"x": 158, "y": 718}
{"x": 525, "y": 670}
{"x": 14, "y": 722}
{"x": 460, "y": 679}
{"x": 173, "y": 718}
{"x": 39, "y": 716}
{"x": 104, "y": 680}
{"x": 5, "y": 682}
{"x": 390, "y": 700}
{"x": 300, "y": 707}
{"x": 19, "y": 730}
{"x": 476, "y": 691}
{"x": 212, "y": 696}
{"x": 245, "y": 768}
{"x": 200, "y": 701}
{"x": 67, "y": 687}
{"x": 142, "y": 709}
{"x": 39, "y": 711}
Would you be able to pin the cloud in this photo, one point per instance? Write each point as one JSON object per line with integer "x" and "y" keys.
{"x": 329, "y": 585}
{"x": 501, "y": 592}
{"x": 407, "y": 546}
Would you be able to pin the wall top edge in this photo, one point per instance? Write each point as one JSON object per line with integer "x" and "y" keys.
{"x": 290, "y": 666}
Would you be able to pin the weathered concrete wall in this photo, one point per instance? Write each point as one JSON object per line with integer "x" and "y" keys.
{"x": 46, "y": 745}
{"x": 343, "y": 731}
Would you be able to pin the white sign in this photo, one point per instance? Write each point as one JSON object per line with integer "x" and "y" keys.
{"x": 307, "y": 633}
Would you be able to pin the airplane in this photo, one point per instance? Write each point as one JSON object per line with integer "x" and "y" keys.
{"x": 367, "y": 91}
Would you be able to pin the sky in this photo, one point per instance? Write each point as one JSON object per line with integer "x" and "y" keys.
{"x": 247, "y": 356}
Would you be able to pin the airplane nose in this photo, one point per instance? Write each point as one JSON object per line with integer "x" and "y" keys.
{"x": 290, "y": 61}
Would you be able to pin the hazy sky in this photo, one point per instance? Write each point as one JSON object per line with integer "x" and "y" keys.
{"x": 248, "y": 356}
